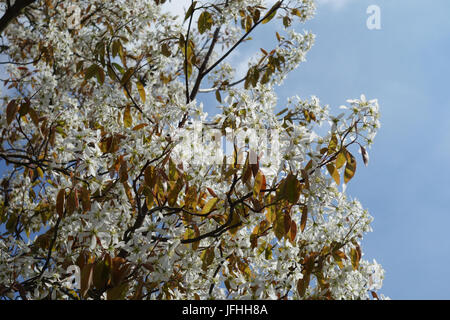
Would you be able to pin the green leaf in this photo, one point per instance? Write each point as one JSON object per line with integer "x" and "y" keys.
{"x": 141, "y": 90}
{"x": 234, "y": 221}
{"x": 118, "y": 67}
{"x": 127, "y": 119}
{"x": 95, "y": 70}
{"x": 252, "y": 77}
{"x": 127, "y": 75}
{"x": 290, "y": 189}
{"x": 207, "y": 257}
{"x": 218, "y": 97}
{"x": 282, "y": 111}
{"x": 100, "y": 75}
{"x": 165, "y": 50}
{"x": 118, "y": 292}
{"x": 279, "y": 226}
{"x": 248, "y": 23}
{"x": 204, "y": 22}
{"x": 338, "y": 256}
{"x": 334, "y": 173}
{"x": 210, "y": 205}
{"x": 271, "y": 12}
{"x": 355, "y": 257}
{"x": 102, "y": 272}
{"x": 190, "y": 11}
{"x": 286, "y": 21}
{"x": 296, "y": 12}
{"x": 332, "y": 146}
{"x": 11, "y": 223}
{"x": 340, "y": 160}
{"x": 90, "y": 72}
{"x": 116, "y": 48}
{"x": 260, "y": 183}
{"x": 173, "y": 194}
{"x": 350, "y": 168}
{"x": 189, "y": 234}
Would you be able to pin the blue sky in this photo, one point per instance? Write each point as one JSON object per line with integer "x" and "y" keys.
{"x": 405, "y": 187}
{"x": 405, "y": 65}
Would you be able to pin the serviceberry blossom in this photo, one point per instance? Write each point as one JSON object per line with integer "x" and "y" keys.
{"x": 114, "y": 169}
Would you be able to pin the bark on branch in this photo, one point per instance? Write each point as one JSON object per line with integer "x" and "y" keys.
{"x": 13, "y": 12}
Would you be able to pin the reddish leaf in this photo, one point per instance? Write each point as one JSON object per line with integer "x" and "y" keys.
{"x": 11, "y": 111}
{"x": 292, "y": 231}
{"x": 60, "y": 202}
{"x": 304, "y": 218}
{"x": 85, "y": 199}
{"x": 87, "y": 273}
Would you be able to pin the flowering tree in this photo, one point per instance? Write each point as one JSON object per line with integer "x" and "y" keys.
{"x": 117, "y": 184}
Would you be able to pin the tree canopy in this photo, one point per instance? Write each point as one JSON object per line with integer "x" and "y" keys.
{"x": 116, "y": 177}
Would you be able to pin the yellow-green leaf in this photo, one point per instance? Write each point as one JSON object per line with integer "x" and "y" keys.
{"x": 90, "y": 72}
{"x": 278, "y": 226}
{"x": 210, "y": 205}
{"x": 260, "y": 183}
{"x": 271, "y": 12}
{"x": 150, "y": 177}
{"x": 334, "y": 173}
{"x": 173, "y": 194}
{"x": 204, "y": 22}
{"x": 190, "y": 11}
{"x": 290, "y": 189}
{"x": 40, "y": 172}
{"x": 350, "y": 168}
{"x": 355, "y": 257}
{"x": 340, "y": 160}
{"x": 117, "y": 293}
{"x": 127, "y": 75}
{"x": 207, "y": 257}
{"x": 100, "y": 74}
{"x": 141, "y": 90}
{"x": 139, "y": 126}
{"x": 127, "y": 119}
{"x": 332, "y": 146}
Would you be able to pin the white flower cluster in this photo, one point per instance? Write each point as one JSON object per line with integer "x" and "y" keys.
{"x": 101, "y": 135}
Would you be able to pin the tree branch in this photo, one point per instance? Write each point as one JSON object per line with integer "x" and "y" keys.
{"x": 13, "y": 12}
{"x": 274, "y": 8}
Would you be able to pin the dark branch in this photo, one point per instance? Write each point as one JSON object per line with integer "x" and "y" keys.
{"x": 13, "y": 12}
